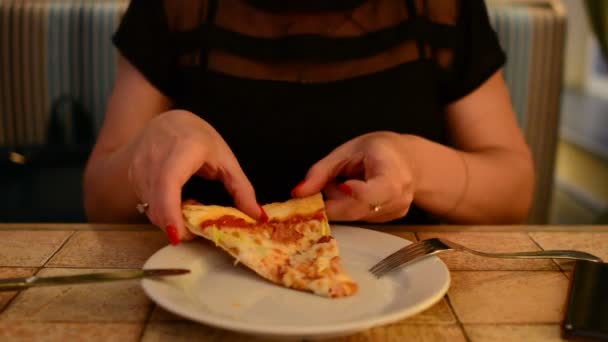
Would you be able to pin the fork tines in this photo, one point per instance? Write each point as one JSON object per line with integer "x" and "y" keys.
{"x": 401, "y": 257}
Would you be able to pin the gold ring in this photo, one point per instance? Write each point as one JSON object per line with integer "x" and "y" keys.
{"x": 142, "y": 207}
{"x": 375, "y": 207}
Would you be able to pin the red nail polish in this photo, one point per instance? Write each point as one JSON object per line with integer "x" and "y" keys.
{"x": 293, "y": 192}
{"x": 172, "y": 234}
{"x": 345, "y": 189}
{"x": 264, "y": 215}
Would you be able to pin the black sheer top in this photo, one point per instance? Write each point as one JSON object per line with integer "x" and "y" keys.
{"x": 287, "y": 81}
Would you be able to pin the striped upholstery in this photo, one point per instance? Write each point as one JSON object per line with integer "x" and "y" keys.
{"x": 55, "y": 48}
{"x": 49, "y": 50}
{"x": 533, "y": 35}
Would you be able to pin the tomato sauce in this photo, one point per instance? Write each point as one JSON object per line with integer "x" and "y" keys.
{"x": 281, "y": 230}
{"x": 237, "y": 222}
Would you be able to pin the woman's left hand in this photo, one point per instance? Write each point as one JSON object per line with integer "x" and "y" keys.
{"x": 379, "y": 178}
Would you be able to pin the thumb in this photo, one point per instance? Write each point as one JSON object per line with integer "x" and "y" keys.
{"x": 321, "y": 173}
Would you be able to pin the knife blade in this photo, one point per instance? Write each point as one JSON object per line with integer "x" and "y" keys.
{"x": 13, "y": 284}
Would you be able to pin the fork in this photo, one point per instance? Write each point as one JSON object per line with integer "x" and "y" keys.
{"x": 425, "y": 248}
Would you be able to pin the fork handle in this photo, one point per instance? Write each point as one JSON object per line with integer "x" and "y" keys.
{"x": 550, "y": 254}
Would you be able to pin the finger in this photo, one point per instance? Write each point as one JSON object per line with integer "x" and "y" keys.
{"x": 165, "y": 209}
{"x": 335, "y": 190}
{"x": 336, "y": 208}
{"x": 387, "y": 215}
{"x": 148, "y": 190}
{"x": 379, "y": 190}
{"x": 316, "y": 179}
{"x": 346, "y": 209}
{"x": 390, "y": 193}
{"x": 240, "y": 188}
{"x": 371, "y": 192}
{"x": 164, "y": 194}
{"x": 389, "y": 212}
{"x": 342, "y": 209}
{"x": 325, "y": 170}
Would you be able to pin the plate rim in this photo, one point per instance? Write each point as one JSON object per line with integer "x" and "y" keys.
{"x": 313, "y": 330}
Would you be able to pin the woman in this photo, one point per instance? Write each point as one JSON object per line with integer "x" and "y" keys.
{"x": 395, "y": 109}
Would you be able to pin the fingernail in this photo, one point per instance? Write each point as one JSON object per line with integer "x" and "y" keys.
{"x": 264, "y": 215}
{"x": 172, "y": 234}
{"x": 296, "y": 189}
{"x": 345, "y": 189}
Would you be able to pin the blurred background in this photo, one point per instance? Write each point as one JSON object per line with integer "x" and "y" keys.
{"x": 57, "y": 66}
{"x": 581, "y": 175}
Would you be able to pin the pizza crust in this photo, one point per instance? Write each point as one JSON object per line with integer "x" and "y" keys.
{"x": 197, "y": 213}
{"x": 295, "y": 206}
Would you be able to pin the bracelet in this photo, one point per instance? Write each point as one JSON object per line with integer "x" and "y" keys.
{"x": 465, "y": 186}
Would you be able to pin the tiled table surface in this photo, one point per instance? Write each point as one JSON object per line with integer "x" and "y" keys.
{"x": 488, "y": 300}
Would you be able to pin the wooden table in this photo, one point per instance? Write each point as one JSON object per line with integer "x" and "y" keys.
{"x": 488, "y": 300}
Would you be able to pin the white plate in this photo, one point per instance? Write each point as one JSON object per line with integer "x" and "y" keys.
{"x": 218, "y": 294}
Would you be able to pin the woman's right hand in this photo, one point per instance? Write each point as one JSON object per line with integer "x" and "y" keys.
{"x": 173, "y": 147}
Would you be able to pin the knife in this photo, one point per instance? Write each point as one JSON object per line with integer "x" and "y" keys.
{"x": 13, "y": 284}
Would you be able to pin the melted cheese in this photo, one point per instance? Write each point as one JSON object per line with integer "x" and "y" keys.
{"x": 303, "y": 264}
{"x": 325, "y": 230}
{"x": 198, "y": 213}
{"x": 318, "y": 270}
{"x": 295, "y": 206}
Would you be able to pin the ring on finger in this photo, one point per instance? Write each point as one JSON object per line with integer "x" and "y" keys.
{"x": 375, "y": 208}
{"x": 142, "y": 207}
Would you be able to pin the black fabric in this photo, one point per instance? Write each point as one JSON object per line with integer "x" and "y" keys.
{"x": 316, "y": 47}
{"x": 305, "y": 5}
{"x": 143, "y": 37}
{"x": 478, "y": 56}
{"x": 278, "y": 129}
{"x": 419, "y": 34}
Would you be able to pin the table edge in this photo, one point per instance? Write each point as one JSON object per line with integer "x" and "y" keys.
{"x": 387, "y": 228}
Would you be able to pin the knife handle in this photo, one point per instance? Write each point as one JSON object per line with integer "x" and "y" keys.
{"x": 35, "y": 281}
{"x": 15, "y": 284}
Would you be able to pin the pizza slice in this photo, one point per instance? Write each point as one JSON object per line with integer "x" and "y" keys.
{"x": 294, "y": 248}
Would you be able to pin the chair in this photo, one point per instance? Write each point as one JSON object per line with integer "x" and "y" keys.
{"x": 532, "y": 32}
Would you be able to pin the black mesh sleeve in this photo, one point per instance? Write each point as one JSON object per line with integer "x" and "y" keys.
{"x": 478, "y": 53}
{"x": 143, "y": 38}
